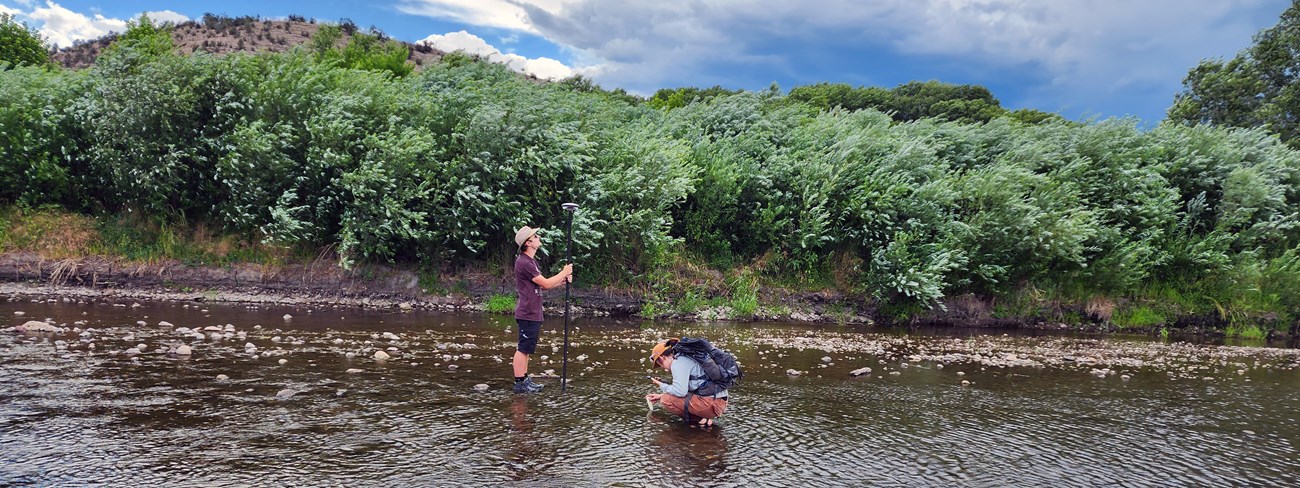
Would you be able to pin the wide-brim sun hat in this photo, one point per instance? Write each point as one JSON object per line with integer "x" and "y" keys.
{"x": 523, "y": 234}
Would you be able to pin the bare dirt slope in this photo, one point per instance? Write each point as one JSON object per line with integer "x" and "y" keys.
{"x": 224, "y": 35}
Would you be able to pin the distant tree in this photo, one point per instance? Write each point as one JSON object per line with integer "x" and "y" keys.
{"x": 918, "y": 100}
{"x": 1031, "y": 116}
{"x": 579, "y": 83}
{"x": 21, "y": 44}
{"x": 907, "y": 102}
{"x": 349, "y": 27}
{"x": 363, "y": 50}
{"x": 1258, "y": 88}
{"x": 369, "y": 52}
{"x": 680, "y": 97}
{"x": 144, "y": 36}
{"x": 831, "y": 95}
{"x": 325, "y": 39}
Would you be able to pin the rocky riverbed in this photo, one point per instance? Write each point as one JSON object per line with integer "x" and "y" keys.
{"x": 141, "y": 331}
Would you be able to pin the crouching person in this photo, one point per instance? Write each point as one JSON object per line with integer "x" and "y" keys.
{"x": 691, "y": 395}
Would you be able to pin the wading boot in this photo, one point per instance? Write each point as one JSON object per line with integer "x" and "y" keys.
{"x": 527, "y": 386}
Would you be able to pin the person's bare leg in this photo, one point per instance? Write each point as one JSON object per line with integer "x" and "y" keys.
{"x": 521, "y": 364}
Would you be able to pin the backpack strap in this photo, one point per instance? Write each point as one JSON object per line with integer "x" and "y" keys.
{"x": 686, "y": 409}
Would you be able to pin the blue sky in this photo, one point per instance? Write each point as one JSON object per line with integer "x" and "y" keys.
{"x": 1080, "y": 58}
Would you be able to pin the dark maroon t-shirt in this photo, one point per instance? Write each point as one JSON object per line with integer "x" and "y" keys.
{"x": 529, "y": 305}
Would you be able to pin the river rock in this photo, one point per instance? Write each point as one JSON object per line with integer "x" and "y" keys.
{"x": 287, "y": 317}
{"x": 381, "y": 355}
{"x": 859, "y": 371}
{"x": 285, "y": 394}
{"x": 481, "y": 387}
{"x": 283, "y": 361}
{"x": 164, "y": 323}
{"x": 35, "y": 326}
{"x": 222, "y": 377}
{"x": 826, "y": 359}
{"x": 184, "y": 350}
{"x": 353, "y": 370}
{"x": 792, "y": 372}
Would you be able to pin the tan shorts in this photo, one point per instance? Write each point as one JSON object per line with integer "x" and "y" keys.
{"x": 701, "y": 407}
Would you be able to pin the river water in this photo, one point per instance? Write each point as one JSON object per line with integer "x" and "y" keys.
{"x": 1036, "y": 411}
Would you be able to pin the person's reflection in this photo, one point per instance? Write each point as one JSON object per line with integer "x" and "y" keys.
{"x": 521, "y": 459}
{"x": 686, "y": 454}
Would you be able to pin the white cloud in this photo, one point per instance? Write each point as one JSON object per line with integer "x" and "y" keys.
{"x": 1094, "y": 47}
{"x": 487, "y": 13}
{"x": 62, "y": 27}
{"x": 161, "y": 16}
{"x": 502, "y": 14}
{"x": 472, "y": 44}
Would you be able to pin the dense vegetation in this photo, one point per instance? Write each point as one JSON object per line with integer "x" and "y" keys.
{"x": 325, "y": 148}
{"x": 21, "y": 45}
{"x": 1260, "y": 87}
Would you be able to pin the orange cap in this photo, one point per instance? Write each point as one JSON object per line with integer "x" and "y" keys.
{"x": 661, "y": 348}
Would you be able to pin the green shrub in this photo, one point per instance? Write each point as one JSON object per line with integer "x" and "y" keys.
{"x": 1137, "y": 316}
{"x": 502, "y": 304}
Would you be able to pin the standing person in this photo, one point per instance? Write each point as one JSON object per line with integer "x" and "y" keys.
{"x": 680, "y": 397}
{"x": 529, "y": 284}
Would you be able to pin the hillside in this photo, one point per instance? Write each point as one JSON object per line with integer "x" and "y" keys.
{"x": 223, "y": 35}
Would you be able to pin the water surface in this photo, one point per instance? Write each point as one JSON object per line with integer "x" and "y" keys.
{"x": 71, "y": 415}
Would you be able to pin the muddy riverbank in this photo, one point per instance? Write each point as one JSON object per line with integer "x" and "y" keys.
{"x": 323, "y": 282}
{"x": 372, "y": 286}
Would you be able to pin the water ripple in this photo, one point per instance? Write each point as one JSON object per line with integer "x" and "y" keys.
{"x": 229, "y": 416}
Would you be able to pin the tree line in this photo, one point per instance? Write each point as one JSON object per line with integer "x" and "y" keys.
{"x": 906, "y": 196}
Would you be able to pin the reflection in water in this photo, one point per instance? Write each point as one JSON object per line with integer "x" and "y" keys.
{"x": 521, "y": 461}
{"x": 682, "y": 455}
{"x": 231, "y": 415}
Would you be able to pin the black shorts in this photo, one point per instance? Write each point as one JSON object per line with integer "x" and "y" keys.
{"x": 528, "y": 332}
